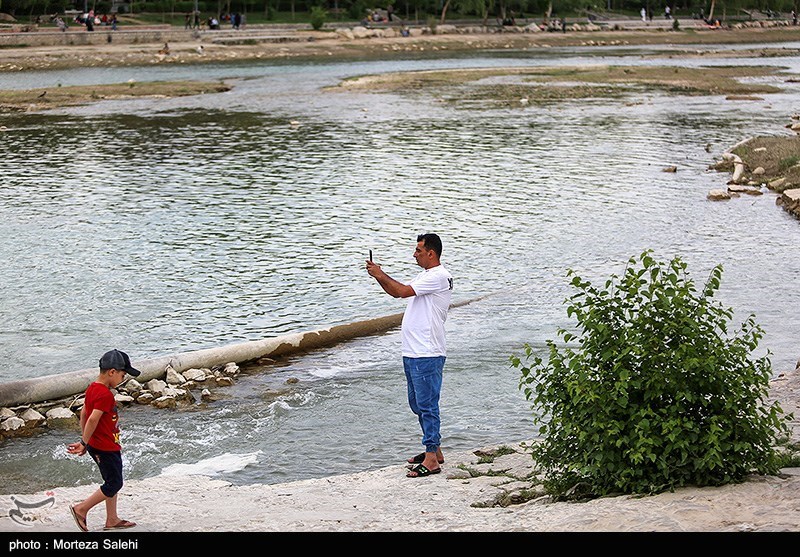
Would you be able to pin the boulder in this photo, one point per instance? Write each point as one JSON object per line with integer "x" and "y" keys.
{"x": 174, "y": 378}
{"x": 718, "y": 195}
{"x": 165, "y": 402}
{"x": 32, "y": 417}
{"x": 156, "y": 386}
{"x": 60, "y": 413}
{"x": 775, "y": 184}
{"x": 12, "y": 424}
{"x": 6, "y": 413}
{"x": 361, "y": 32}
{"x": 345, "y": 33}
{"x": 132, "y": 386}
{"x": 145, "y": 398}
{"x": 123, "y": 398}
{"x": 744, "y": 189}
{"x": 194, "y": 374}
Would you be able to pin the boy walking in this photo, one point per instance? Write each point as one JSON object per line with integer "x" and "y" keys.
{"x": 100, "y": 438}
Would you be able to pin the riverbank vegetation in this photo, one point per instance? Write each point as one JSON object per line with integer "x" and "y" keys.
{"x": 652, "y": 390}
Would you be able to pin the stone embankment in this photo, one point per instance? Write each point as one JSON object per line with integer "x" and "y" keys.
{"x": 764, "y": 163}
{"x": 192, "y": 386}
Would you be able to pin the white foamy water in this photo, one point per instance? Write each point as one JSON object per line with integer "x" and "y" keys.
{"x": 214, "y": 466}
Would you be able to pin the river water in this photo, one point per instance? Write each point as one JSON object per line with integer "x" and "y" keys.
{"x": 169, "y": 225}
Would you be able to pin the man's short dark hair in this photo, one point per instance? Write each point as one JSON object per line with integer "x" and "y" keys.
{"x": 431, "y": 241}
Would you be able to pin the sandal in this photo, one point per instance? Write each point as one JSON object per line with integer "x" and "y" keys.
{"x": 121, "y": 525}
{"x": 419, "y": 459}
{"x": 420, "y": 471}
{"x": 80, "y": 521}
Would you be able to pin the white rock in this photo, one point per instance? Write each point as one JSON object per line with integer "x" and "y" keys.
{"x": 31, "y": 415}
{"x": 175, "y": 393}
{"x": 123, "y": 398}
{"x": 205, "y": 394}
{"x": 6, "y": 413}
{"x": 60, "y": 413}
{"x": 132, "y": 386}
{"x": 194, "y": 374}
{"x": 174, "y": 378}
{"x": 345, "y": 34}
{"x": 776, "y": 183}
{"x": 156, "y": 386}
{"x": 759, "y": 171}
{"x": 12, "y": 424}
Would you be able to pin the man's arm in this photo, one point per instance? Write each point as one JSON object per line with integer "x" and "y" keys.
{"x": 390, "y": 286}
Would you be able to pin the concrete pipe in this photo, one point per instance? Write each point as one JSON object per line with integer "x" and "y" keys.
{"x": 52, "y": 387}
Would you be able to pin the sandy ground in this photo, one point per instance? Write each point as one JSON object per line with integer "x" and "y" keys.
{"x": 458, "y": 500}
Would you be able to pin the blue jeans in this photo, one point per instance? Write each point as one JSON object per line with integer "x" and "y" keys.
{"x": 424, "y": 381}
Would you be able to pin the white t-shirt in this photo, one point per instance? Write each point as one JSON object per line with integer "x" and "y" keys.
{"x": 422, "y": 331}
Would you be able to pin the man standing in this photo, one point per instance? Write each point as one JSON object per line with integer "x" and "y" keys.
{"x": 423, "y": 339}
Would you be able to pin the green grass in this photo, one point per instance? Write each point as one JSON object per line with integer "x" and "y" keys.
{"x": 788, "y": 162}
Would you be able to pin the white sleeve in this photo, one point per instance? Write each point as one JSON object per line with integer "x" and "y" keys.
{"x": 428, "y": 283}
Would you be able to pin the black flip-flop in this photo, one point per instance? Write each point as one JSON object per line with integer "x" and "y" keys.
{"x": 420, "y": 471}
{"x": 419, "y": 459}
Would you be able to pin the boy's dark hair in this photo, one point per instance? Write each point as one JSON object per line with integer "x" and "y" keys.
{"x": 431, "y": 241}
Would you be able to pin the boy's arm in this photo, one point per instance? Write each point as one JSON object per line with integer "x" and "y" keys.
{"x": 91, "y": 424}
{"x": 88, "y": 425}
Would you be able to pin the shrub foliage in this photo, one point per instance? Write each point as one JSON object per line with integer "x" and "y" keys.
{"x": 650, "y": 392}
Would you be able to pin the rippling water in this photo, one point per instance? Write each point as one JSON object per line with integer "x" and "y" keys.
{"x": 179, "y": 224}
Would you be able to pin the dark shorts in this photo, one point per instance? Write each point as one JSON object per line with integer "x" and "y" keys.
{"x": 110, "y": 464}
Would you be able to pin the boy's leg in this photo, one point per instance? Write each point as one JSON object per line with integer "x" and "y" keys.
{"x": 86, "y": 505}
{"x": 112, "y": 518}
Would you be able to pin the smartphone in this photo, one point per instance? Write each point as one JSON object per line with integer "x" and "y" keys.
{"x": 370, "y": 255}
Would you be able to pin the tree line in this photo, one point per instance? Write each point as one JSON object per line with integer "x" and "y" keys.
{"x": 407, "y": 9}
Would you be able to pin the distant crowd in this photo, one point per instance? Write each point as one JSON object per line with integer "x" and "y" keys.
{"x": 88, "y": 20}
{"x": 193, "y": 20}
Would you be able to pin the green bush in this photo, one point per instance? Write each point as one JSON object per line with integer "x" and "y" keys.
{"x": 318, "y": 16}
{"x": 656, "y": 394}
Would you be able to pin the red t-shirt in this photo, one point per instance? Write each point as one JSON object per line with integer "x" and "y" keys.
{"x": 106, "y": 435}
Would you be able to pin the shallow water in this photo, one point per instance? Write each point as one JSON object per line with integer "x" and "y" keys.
{"x": 161, "y": 226}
